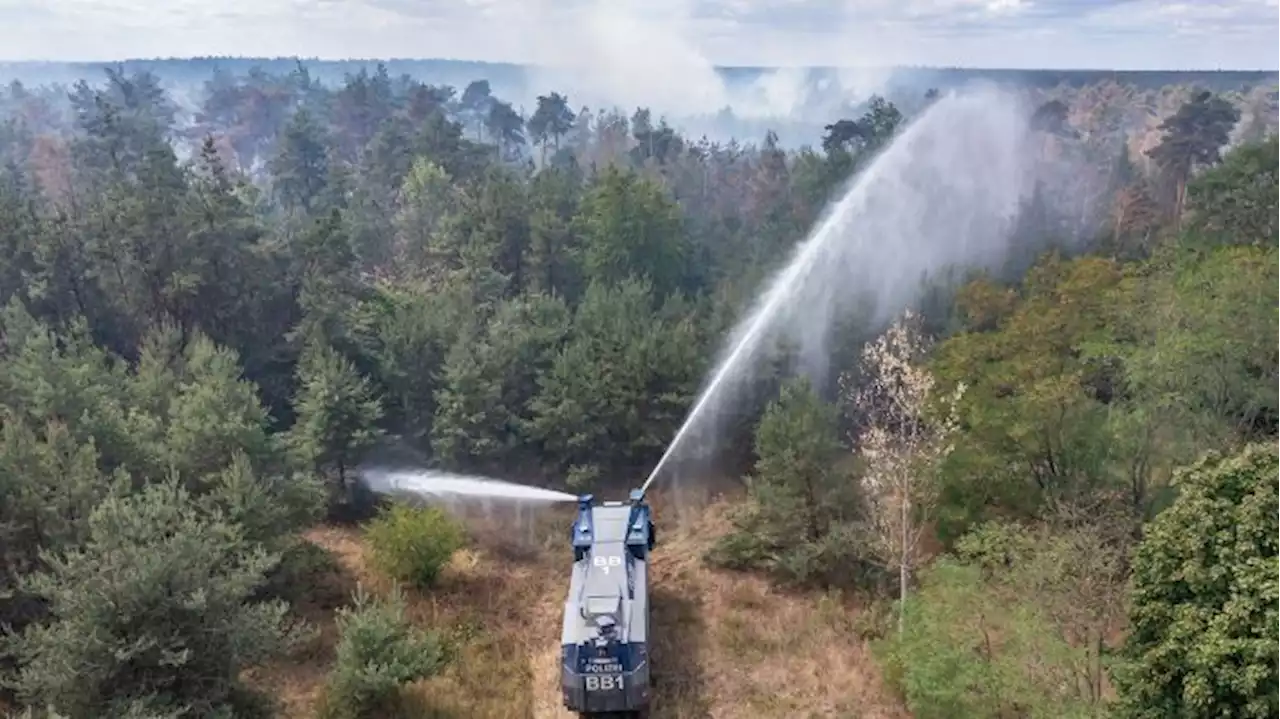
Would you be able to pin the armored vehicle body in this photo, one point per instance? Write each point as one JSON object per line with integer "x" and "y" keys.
{"x": 605, "y": 643}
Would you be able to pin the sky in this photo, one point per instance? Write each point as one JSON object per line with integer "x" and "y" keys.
{"x": 674, "y": 35}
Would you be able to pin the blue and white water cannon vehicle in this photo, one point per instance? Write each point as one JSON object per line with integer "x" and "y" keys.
{"x": 605, "y": 644}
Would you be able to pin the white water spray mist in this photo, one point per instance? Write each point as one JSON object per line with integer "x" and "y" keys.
{"x": 944, "y": 193}
{"x": 426, "y": 483}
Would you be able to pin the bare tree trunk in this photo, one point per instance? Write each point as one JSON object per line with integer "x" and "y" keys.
{"x": 1180, "y": 199}
{"x": 902, "y": 564}
{"x": 1096, "y": 679}
{"x": 1120, "y": 220}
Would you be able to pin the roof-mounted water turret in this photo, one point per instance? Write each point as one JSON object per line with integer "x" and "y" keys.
{"x": 583, "y": 527}
{"x": 640, "y": 534}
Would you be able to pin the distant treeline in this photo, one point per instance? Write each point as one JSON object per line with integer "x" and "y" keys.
{"x": 510, "y": 74}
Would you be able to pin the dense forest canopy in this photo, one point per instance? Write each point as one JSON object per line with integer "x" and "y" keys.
{"x": 215, "y": 306}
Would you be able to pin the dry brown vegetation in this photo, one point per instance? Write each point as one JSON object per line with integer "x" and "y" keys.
{"x": 726, "y": 645}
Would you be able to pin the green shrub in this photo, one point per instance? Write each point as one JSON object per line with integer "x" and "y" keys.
{"x": 412, "y": 544}
{"x": 967, "y": 651}
{"x": 836, "y": 559}
{"x": 378, "y": 653}
{"x": 307, "y": 573}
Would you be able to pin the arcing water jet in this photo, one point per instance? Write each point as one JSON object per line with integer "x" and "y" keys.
{"x": 944, "y": 193}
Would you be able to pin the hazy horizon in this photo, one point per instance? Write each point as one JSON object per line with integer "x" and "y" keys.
{"x": 793, "y": 102}
{"x": 1121, "y": 35}
{"x": 374, "y": 59}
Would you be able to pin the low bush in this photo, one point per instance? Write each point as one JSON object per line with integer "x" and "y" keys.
{"x": 967, "y": 651}
{"x": 378, "y": 653}
{"x": 836, "y": 559}
{"x": 307, "y": 573}
{"x": 412, "y": 544}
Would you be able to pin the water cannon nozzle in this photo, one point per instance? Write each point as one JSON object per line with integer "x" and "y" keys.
{"x": 637, "y": 496}
{"x": 585, "y": 500}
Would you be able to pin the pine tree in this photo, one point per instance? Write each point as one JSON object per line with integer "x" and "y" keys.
{"x": 301, "y": 165}
{"x": 213, "y": 414}
{"x": 489, "y": 380}
{"x": 800, "y": 523}
{"x": 155, "y": 608}
{"x": 337, "y": 413}
{"x": 615, "y": 394}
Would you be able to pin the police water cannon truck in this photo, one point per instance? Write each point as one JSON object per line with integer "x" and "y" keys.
{"x": 605, "y": 644}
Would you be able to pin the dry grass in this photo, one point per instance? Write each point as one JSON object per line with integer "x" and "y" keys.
{"x": 761, "y": 652}
{"x": 726, "y": 645}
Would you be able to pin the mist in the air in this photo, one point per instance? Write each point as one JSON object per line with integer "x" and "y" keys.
{"x": 623, "y": 55}
{"x": 946, "y": 194}
{"x": 627, "y": 54}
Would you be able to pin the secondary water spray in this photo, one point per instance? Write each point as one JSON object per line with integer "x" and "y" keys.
{"x": 944, "y": 193}
{"x": 446, "y": 486}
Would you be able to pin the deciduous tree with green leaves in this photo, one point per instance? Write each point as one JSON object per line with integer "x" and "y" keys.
{"x": 1235, "y": 202}
{"x": 1033, "y": 421}
{"x": 1203, "y": 627}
